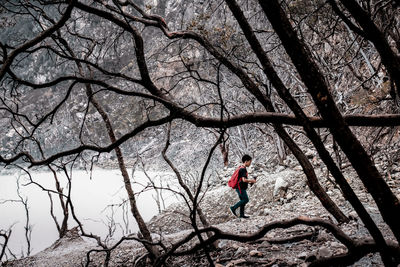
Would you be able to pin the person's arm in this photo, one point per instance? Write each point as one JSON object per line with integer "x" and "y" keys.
{"x": 250, "y": 181}
{"x": 242, "y": 173}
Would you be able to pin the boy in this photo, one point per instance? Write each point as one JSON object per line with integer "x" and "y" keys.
{"x": 243, "y": 184}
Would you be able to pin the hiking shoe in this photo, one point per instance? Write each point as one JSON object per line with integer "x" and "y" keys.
{"x": 233, "y": 211}
{"x": 244, "y": 217}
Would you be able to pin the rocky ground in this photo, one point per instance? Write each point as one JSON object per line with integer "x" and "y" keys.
{"x": 281, "y": 194}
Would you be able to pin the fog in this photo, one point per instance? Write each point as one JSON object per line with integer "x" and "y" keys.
{"x": 92, "y": 193}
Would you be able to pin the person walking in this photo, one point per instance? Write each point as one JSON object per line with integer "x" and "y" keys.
{"x": 242, "y": 188}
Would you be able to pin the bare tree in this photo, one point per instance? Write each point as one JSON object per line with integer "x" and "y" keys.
{"x": 28, "y": 226}
{"x": 62, "y": 229}
{"x": 124, "y": 87}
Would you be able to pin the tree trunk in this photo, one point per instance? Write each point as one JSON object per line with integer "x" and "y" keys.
{"x": 280, "y": 148}
{"x": 62, "y": 230}
{"x": 153, "y": 250}
{"x": 225, "y": 153}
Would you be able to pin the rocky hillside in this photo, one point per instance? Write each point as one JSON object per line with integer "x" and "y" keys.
{"x": 279, "y": 195}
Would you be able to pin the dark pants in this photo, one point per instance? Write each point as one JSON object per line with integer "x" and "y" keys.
{"x": 244, "y": 199}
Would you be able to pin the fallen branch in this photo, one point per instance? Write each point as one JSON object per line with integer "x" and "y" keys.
{"x": 291, "y": 239}
{"x": 356, "y": 248}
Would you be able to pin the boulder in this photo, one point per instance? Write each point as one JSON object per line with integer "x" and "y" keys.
{"x": 280, "y": 187}
{"x": 241, "y": 251}
{"x": 323, "y": 252}
{"x": 256, "y": 253}
{"x": 302, "y": 255}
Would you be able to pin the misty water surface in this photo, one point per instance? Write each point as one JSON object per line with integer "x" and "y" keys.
{"x": 90, "y": 194}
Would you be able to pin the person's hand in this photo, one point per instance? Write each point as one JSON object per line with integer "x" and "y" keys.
{"x": 253, "y": 181}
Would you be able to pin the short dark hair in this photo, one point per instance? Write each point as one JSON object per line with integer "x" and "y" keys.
{"x": 246, "y": 158}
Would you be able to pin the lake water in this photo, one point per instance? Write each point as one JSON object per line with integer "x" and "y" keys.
{"x": 91, "y": 194}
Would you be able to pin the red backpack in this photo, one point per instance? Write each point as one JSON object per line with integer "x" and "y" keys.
{"x": 234, "y": 180}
